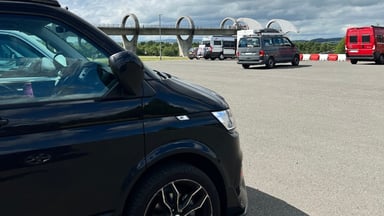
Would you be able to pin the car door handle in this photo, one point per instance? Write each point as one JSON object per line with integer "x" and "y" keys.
{"x": 3, "y": 122}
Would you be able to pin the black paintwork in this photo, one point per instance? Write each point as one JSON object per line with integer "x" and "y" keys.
{"x": 83, "y": 157}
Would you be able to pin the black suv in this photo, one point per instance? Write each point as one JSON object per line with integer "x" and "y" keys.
{"x": 87, "y": 129}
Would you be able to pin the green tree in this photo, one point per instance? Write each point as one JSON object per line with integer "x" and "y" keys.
{"x": 152, "y": 48}
{"x": 340, "y": 48}
{"x": 315, "y": 47}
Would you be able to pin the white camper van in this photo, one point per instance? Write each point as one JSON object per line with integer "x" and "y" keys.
{"x": 221, "y": 47}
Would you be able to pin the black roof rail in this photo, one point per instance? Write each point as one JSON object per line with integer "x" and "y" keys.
{"x": 269, "y": 30}
{"x": 45, "y": 2}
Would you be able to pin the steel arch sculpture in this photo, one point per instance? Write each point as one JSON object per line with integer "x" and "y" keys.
{"x": 251, "y": 23}
{"x": 131, "y": 44}
{"x": 285, "y": 25}
{"x": 184, "y": 43}
{"x": 235, "y": 23}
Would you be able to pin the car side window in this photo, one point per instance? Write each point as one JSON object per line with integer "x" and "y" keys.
{"x": 277, "y": 41}
{"x": 44, "y": 60}
{"x": 217, "y": 43}
{"x": 267, "y": 42}
{"x": 286, "y": 42}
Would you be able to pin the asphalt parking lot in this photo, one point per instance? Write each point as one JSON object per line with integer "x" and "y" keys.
{"x": 312, "y": 136}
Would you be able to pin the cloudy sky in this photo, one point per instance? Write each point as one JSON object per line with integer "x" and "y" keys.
{"x": 313, "y": 18}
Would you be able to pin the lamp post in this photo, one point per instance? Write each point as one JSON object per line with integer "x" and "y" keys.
{"x": 160, "y": 33}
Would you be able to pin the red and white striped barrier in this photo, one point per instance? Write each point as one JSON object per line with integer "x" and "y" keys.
{"x": 342, "y": 57}
{"x": 323, "y": 57}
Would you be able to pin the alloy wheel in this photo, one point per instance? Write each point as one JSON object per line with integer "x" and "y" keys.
{"x": 182, "y": 197}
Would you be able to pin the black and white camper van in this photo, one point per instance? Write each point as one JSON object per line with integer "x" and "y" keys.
{"x": 221, "y": 47}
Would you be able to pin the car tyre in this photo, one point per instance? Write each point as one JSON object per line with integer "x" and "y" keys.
{"x": 296, "y": 60}
{"x": 245, "y": 66}
{"x": 221, "y": 56}
{"x": 270, "y": 63}
{"x": 353, "y": 61}
{"x": 380, "y": 60}
{"x": 175, "y": 189}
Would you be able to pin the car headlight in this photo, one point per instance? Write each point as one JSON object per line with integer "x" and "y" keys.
{"x": 225, "y": 118}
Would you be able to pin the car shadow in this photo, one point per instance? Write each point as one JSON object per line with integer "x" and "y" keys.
{"x": 367, "y": 63}
{"x": 260, "y": 203}
{"x": 279, "y": 67}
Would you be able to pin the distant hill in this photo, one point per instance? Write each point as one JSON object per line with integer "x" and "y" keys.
{"x": 323, "y": 40}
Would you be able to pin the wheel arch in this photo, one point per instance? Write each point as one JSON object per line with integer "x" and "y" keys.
{"x": 296, "y": 56}
{"x": 268, "y": 59}
{"x": 221, "y": 56}
{"x": 190, "y": 152}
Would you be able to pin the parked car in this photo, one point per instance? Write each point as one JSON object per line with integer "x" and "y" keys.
{"x": 24, "y": 57}
{"x": 192, "y": 53}
{"x": 16, "y": 47}
{"x": 106, "y": 135}
{"x": 266, "y": 46}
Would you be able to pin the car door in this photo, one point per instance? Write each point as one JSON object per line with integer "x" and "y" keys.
{"x": 249, "y": 48}
{"x": 229, "y": 48}
{"x": 270, "y": 49}
{"x": 77, "y": 153}
{"x": 287, "y": 50}
{"x": 70, "y": 150}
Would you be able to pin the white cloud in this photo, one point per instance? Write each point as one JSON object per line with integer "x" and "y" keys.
{"x": 326, "y": 18}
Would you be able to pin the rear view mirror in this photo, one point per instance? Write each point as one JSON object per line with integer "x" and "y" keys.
{"x": 129, "y": 70}
{"x": 61, "y": 60}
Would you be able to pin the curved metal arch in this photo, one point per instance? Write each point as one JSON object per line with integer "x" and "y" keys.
{"x": 191, "y": 24}
{"x": 137, "y": 28}
{"x": 251, "y": 23}
{"x": 235, "y": 23}
{"x": 285, "y": 25}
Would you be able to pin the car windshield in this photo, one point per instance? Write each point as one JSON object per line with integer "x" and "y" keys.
{"x": 207, "y": 43}
{"x": 249, "y": 42}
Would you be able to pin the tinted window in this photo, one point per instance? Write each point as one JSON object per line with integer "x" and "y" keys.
{"x": 228, "y": 43}
{"x": 13, "y": 47}
{"x": 353, "y": 39}
{"x": 267, "y": 42}
{"x": 286, "y": 42}
{"x": 43, "y": 60}
{"x": 206, "y": 43}
{"x": 366, "y": 38}
{"x": 249, "y": 42}
{"x": 217, "y": 43}
{"x": 278, "y": 41}
{"x": 379, "y": 38}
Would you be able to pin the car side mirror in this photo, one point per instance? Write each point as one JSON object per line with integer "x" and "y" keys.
{"x": 129, "y": 70}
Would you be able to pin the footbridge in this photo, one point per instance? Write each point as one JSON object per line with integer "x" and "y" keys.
{"x": 185, "y": 35}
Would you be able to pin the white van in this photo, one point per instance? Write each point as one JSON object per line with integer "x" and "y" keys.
{"x": 221, "y": 47}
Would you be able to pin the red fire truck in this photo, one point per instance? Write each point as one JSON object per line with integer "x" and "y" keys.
{"x": 365, "y": 44}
